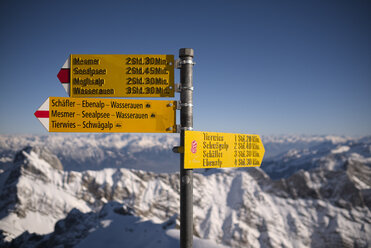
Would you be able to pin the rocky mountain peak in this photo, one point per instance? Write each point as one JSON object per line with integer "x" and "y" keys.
{"x": 30, "y": 153}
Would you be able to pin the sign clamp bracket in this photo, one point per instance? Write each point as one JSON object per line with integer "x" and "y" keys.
{"x": 179, "y": 88}
{"x": 180, "y": 62}
{"x": 180, "y": 104}
{"x": 179, "y": 128}
{"x": 178, "y": 149}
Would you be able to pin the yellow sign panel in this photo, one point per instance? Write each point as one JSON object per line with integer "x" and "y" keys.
{"x": 114, "y": 116}
{"x": 122, "y": 75}
{"x": 204, "y": 150}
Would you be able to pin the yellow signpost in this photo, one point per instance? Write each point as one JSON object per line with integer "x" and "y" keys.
{"x": 121, "y": 75}
{"x": 64, "y": 114}
{"x": 86, "y": 75}
{"x": 204, "y": 150}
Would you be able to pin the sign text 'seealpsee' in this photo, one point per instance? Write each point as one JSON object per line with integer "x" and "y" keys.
{"x": 106, "y": 115}
{"x": 122, "y": 75}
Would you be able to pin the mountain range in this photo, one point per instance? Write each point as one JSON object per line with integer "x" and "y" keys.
{"x": 72, "y": 191}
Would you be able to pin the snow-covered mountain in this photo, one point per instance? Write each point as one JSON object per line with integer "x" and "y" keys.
{"x": 329, "y": 152}
{"x": 326, "y": 206}
{"x": 115, "y": 225}
{"x": 153, "y": 152}
{"x": 79, "y": 152}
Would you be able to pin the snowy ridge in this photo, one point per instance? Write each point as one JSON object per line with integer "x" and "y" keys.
{"x": 287, "y": 139}
{"x": 153, "y": 152}
{"x": 28, "y": 193}
{"x": 114, "y": 225}
{"x": 323, "y": 207}
{"x": 331, "y": 153}
{"x": 79, "y": 152}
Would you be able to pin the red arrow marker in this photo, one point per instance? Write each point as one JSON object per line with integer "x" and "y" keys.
{"x": 43, "y": 114}
{"x": 64, "y": 76}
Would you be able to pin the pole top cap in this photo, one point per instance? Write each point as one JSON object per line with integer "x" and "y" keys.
{"x": 185, "y": 52}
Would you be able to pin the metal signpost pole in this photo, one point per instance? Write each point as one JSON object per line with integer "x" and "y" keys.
{"x": 186, "y": 122}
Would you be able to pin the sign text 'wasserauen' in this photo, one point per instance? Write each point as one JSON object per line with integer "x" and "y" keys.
{"x": 63, "y": 114}
{"x": 88, "y": 75}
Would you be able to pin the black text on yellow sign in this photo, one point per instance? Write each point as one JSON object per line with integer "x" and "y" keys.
{"x": 114, "y": 116}
{"x": 122, "y": 75}
{"x": 204, "y": 150}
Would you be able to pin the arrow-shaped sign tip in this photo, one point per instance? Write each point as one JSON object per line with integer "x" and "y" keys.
{"x": 64, "y": 76}
{"x": 42, "y": 114}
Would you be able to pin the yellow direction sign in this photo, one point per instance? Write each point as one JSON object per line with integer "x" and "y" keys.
{"x": 118, "y": 75}
{"x": 64, "y": 114}
{"x": 219, "y": 150}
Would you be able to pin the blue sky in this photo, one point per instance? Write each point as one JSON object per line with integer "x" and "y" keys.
{"x": 264, "y": 67}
